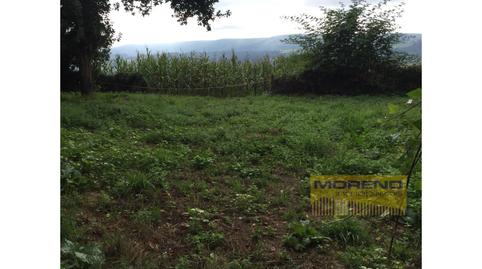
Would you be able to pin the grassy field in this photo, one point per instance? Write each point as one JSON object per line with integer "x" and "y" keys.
{"x": 156, "y": 181}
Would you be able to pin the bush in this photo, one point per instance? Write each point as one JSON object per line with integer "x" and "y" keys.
{"x": 69, "y": 80}
{"x": 131, "y": 82}
{"x": 394, "y": 80}
{"x": 350, "y": 51}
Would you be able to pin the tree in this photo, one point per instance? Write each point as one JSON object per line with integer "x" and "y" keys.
{"x": 350, "y": 44}
{"x": 87, "y": 33}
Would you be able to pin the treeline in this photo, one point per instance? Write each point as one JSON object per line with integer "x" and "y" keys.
{"x": 196, "y": 74}
{"x": 391, "y": 79}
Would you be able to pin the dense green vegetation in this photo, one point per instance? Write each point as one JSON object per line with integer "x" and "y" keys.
{"x": 187, "y": 74}
{"x": 347, "y": 51}
{"x": 174, "y": 180}
{"x": 197, "y": 74}
{"x": 87, "y": 32}
{"x": 351, "y": 51}
{"x": 158, "y": 181}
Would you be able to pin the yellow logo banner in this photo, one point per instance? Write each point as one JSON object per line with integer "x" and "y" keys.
{"x": 358, "y": 195}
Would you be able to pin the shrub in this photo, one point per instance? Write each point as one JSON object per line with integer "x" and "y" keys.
{"x": 69, "y": 80}
{"x": 395, "y": 80}
{"x": 131, "y": 82}
{"x": 350, "y": 51}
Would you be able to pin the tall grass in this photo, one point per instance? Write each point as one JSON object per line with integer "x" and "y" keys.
{"x": 195, "y": 74}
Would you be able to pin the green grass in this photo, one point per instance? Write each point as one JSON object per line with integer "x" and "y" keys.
{"x": 153, "y": 181}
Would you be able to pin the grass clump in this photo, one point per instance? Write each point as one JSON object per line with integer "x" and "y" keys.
{"x": 347, "y": 232}
{"x": 369, "y": 257}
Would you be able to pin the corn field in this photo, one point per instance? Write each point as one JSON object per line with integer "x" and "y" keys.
{"x": 193, "y": 74}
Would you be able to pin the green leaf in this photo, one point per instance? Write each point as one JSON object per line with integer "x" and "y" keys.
{"x": 81, "y": 256}
{"x": 393, "y": 109}
{"x": 415, "y": 94}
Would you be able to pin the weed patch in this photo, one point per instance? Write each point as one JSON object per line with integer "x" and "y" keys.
{"x": 151, "y": 181}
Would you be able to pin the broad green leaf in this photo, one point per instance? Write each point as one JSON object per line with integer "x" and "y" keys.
{"x": 393, "y": 109}
{"x": 415, "y": 94}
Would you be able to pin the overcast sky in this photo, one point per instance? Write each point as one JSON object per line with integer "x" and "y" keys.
{"x": 250, "y": 18}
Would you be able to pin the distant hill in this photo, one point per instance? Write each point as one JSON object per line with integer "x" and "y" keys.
{"x": 245, "y": 48}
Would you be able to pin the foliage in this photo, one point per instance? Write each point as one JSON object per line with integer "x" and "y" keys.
{"x": 347, "y": 232}
{"x": 359, "y": 37}
{"x": 75, "y": 255}
{"x": 201, "y": 234}
{"x": 399, "y": 112}
{"x": 410, "y": 114}
{"x": 130, "y": 186}
{"x": 351, "y": 50}
{"x": 291, "y": 65}
{"x": 132, "y": 82}
{"x": 367, "y": 258}
{"x": 196, "y": 74}
{"x": 87, "y": 33}
{"x": 303, "y": 235}
{"x": 193, "y": 74}
{"x": 202, "y": 161}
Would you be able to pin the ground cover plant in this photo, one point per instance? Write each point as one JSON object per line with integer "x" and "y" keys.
{"x": 159, "y": 181}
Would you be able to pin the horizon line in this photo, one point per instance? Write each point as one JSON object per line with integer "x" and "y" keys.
{"x": 219, "y": 39}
